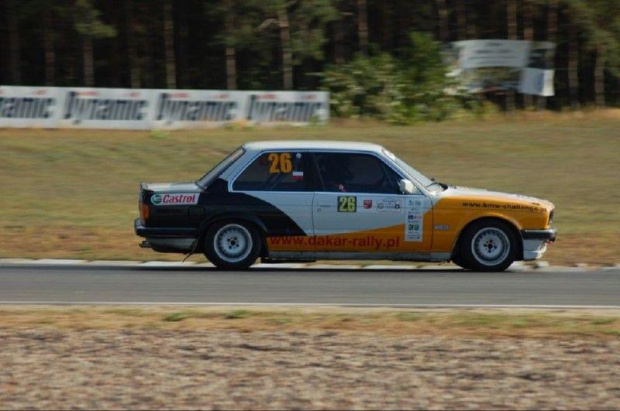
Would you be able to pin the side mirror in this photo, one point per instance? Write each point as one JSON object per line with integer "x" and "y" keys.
{"x": 406, "y": 186}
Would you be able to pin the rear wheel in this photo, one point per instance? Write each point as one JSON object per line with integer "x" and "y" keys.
{"x": 488, "y": 246}
{"x": 232, "y": 245}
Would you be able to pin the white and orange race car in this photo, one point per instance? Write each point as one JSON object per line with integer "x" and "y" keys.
{"x": 319, "y": 200}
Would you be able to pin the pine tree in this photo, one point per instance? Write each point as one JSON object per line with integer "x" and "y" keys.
{"x": 89, "y": 26}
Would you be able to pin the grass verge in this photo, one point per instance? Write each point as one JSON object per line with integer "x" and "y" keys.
{"x": 486, "y": 323}
{"x": 73, "y": 193}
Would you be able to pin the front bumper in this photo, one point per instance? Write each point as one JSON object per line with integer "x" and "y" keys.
{"x": 548, "y": 234}
{"x": 535, "y": 242}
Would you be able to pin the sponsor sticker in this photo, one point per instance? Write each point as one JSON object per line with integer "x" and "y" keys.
{"x": 159, "y": 199}
{"x": 413, "y": 226}
{"x": 511, "y": 207}
{"x": 367, "y": 204}
{"x": 389, "y": 205}
{"x": 414, "y": 203}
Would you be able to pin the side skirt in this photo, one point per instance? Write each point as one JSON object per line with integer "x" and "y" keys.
{"x": 339, "y": 255}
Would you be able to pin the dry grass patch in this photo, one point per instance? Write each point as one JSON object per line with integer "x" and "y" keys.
{"x": 388, "y": 322}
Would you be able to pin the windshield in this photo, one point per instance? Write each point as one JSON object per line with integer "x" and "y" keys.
{"x": 215, "y": 172}
{"x": 415, "y": 174}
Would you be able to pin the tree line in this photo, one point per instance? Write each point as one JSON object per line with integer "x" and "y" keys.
{"x": 291, "y": 44}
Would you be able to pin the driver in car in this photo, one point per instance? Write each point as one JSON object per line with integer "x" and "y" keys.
{"x": 337, "y": 175}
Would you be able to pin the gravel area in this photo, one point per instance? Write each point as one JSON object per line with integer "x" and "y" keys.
{"x": 228, "y": 369}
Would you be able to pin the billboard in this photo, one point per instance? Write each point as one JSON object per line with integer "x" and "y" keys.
{"x": 495, "y": 65}
{"x": 144, "y": 109}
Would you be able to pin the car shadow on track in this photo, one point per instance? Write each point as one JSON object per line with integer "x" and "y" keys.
{"x": 253, "y": 270}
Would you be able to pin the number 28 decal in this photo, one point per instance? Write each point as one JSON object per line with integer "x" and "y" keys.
{"x": 347, "y": 204}
{"x": 280, "y": 163}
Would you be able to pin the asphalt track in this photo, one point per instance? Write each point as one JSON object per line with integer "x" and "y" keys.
{"x": 32, "y": 284}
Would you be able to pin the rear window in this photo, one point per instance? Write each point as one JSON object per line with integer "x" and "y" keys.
{"x": 215, "y": 172}
{"x": 275, "y": 171}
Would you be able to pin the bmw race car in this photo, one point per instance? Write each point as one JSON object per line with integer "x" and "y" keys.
{"x": 307, "y": 201}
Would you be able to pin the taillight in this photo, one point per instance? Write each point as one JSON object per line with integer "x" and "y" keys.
{"x": 144, "y": 212}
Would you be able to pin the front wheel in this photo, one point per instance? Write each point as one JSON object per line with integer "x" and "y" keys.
{"x": 488, "y": 246}
{"x": 458, "y": 260}
{"x": 232, "y": 245}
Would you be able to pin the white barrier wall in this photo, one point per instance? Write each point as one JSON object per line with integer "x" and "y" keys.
{"x": 145, "y": 109}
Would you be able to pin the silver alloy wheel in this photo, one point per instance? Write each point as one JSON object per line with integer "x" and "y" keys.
{"x": 490, "y": 246}
{"x": 232, "y": 243}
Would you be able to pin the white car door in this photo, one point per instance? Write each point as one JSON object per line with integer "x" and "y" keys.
{"x": 360, "y": 208}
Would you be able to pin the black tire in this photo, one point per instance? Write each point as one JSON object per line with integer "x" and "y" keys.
{"x": 458, "y": 260}
{"x": 232, "y": 244}
{"x": 488, "y": 245}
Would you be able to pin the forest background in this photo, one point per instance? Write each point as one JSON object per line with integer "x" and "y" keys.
{"x": 378, "y": 59}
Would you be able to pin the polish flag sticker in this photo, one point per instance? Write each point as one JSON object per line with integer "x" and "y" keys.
{"x": 298, "y": 175}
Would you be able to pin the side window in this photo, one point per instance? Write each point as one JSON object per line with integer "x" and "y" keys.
{"x": 357, "y": 173}
{"x": 275, "y": 171}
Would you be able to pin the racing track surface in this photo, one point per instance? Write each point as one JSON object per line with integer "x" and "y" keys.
{"x": 193, "y": 285}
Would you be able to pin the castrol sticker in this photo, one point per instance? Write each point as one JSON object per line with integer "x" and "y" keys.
{"x": 174, "y": 199}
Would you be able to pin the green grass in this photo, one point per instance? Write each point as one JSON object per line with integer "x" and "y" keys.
{"x": 176, "y": 316}
{"x": 408, "y": 316}
{"x": 236, "y": 314}
{"x": 73, "y": 193}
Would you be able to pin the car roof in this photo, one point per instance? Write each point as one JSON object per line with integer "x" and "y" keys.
{"x": 311, "y": 145}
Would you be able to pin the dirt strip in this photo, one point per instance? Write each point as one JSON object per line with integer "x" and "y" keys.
{"x": 210, "y": 359}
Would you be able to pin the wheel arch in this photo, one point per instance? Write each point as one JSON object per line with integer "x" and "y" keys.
{"x": 512, "y": 225}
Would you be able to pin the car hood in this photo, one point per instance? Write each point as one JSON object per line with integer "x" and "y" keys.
{"x": 478, "y": 193}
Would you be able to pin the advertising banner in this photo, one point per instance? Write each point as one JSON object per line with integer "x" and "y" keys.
{"x": 103, "y": 108}
{"x": 29, "y": 107}
{"x": 537, "y": 76}
{"x": 144, "y": 109}
{"x": 494, "y": 65}
{"x": 492, "y": 53}
{"x": 200, "y": 109}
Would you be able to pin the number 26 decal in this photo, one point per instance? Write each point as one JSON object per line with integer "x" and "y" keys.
{"x": 280, "y": 163}
{"x": 347, "y": 204}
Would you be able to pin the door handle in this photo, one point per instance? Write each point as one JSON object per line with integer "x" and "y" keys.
{"x": 324, "y": 205}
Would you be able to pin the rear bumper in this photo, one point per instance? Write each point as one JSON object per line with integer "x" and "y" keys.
{"x": 165, "y": 232}
{"x": 165, "y": 239}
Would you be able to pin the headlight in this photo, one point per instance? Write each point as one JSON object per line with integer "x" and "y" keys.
{"x": 551, "y": 216}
